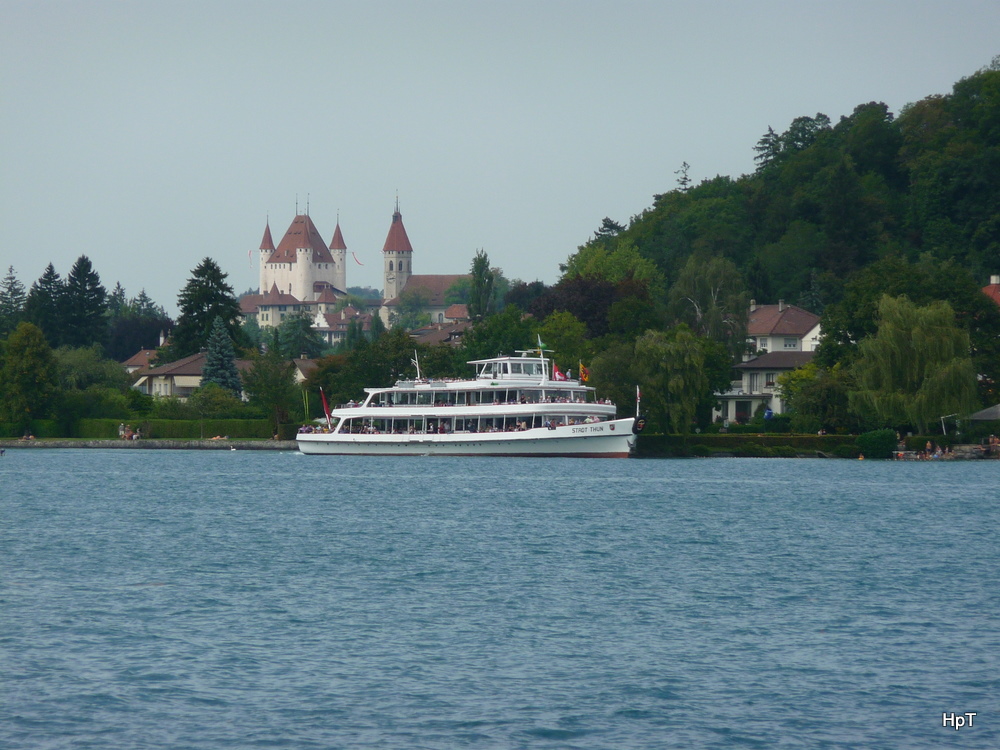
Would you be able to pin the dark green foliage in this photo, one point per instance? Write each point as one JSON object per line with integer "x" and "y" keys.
{"x": 12, "y": 300}
{"x": 827, "y": 200}
{"x": 409, "y": 313}
{"x": 295, "y": 337}
{"x": 270, "y": 385}
{"x": 877, "y": 443}
{"x": 28, "y": 377}
{"x": 215, "y": 402}
{"x": 806, "y": 445}
{"x": 84, "y": 306}
{"x": 503, "y": 333}
{"x": 220, "y": 360}
{"x": 523, "y": 294}
{"x": 588, "y": 298}
{"x": 846, "y": 451}
{"x": 205, "y": 297}
{"x": 44, "y": 305}
{"x": 481, "y": 301}
{"x": 364, "y": 293}
{"x": 134, "y": 324}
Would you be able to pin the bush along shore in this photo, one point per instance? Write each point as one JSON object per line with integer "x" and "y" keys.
{"x": 879, "y": 444}
{"x": 211, "y": 444}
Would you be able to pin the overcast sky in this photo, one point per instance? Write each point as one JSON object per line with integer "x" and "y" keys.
{"x": 149, "y": 135}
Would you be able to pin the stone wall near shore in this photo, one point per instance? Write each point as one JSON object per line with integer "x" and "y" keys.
{"x": 223, "y": 445}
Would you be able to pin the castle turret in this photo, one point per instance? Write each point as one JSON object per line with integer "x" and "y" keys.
{"x": 338, "y": 251}
{"x": 266, "y": 249}
{"x": 397, "y": 254}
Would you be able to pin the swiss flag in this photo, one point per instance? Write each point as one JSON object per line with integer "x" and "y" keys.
{"x": 557, "y": 374}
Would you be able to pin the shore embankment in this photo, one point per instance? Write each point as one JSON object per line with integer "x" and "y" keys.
{"x": 217, "y": 445}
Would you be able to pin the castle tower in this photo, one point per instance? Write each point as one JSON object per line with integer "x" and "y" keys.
{"x": 338, "y": 251}
{"x": 397, "y": 257}
{"x": 266, "y": 249}
{"x": 300, "y": 260}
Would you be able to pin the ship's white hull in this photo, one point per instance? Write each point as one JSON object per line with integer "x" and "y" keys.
{"x": 611, "y": 439}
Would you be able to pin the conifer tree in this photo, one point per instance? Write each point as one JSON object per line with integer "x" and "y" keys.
{"x": 85, "y": 306}
{"x": 44, "y": 305}
{"x": 12, "y": 299}
{"x": 205, "y": 297}
{"x": 220, "y": 360}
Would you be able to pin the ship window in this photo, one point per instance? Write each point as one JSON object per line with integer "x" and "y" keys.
{"x": 515, "y": 367}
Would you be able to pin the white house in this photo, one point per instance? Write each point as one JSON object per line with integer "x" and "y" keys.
{"x": 782, "y": 338}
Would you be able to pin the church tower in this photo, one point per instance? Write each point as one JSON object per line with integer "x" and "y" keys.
{"x": 397, "y": 257}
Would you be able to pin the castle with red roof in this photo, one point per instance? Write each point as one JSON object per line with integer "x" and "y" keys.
{"x": 304, "y": 274}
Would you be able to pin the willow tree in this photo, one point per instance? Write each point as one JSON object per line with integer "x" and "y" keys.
{"x": 711, "y": 298}
{"x": 674, "y": 376}
{"x": 916, "y": 368}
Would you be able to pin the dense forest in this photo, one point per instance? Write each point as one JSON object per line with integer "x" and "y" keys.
{"x": 885, "y": 224}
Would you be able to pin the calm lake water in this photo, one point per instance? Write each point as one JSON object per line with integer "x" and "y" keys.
{"x": 186, "y": 599}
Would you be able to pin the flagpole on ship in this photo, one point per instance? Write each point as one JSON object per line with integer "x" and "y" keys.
{"x": 326, "y": 409}
{"x": 638, "y": 400}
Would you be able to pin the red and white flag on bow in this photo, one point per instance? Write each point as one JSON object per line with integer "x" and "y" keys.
{"x": 557, "y": 374}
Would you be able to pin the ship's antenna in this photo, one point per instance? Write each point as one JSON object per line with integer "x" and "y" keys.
{"x": 416, "y": 363}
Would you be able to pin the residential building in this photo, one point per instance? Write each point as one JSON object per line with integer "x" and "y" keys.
{"x": 780, "y": 338}
{"x": 781, "y": 328}
{"x": 181, "y": 378}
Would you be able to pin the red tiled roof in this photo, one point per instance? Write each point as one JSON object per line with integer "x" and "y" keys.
{"x": 274, "y": 297}
{"x": 432, "y": 286}
{"x": 267, "y": 243}
{"x": 338, "y": 322}
{"x": 327, "y": 295}
{"x": 141, "y": 358}
{"x": 192, "y": 365}
{"x": 305, "y": 366}
{"x": 302, "y": 233}
{"x": 993, "y": 292}
{"x": 780, "y": 320}
{"x": 396, "y": 240}
{"x": 337, "y": 243}
{"x": 441, "y": 334}
{"x": 250, "y": 302}
{"x": 457, "y": 312}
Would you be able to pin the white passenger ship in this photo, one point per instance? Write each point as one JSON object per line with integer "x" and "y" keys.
{"x": 515, "y": 406}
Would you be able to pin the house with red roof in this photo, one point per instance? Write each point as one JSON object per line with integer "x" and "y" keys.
{"x": 181, "y": 378}
{"x": 781, "y": 338}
